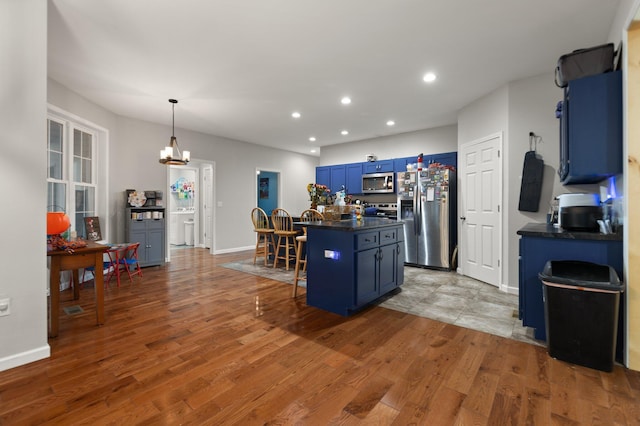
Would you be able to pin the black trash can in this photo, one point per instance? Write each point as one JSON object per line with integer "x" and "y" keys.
{"x": 581, "y": 302}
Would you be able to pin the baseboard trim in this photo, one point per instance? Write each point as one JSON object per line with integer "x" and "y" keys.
{"x": 233, "y": 250}
{"x": 26, "y": 357}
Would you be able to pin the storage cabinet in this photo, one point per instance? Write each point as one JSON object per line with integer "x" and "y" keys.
{"x": 148, "y": 229}
{"x": 591, "y": 129}
{"x": 540, "y": 243}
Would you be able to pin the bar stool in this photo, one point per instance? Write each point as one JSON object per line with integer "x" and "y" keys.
{"x": 309, "y": 215}
{"x": 283, "y": 230}
{"x": 264, "y": 234}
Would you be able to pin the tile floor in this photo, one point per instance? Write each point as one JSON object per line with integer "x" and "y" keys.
{"x": 440, "y": 295}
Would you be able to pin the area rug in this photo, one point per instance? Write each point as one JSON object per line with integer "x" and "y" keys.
{"x": 440, "y": 295}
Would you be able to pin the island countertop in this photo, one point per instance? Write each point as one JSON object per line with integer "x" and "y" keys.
{"x": 351, "y": 225}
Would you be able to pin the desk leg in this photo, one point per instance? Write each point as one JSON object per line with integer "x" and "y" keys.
{"x": 99, "y": 289}
{"x": 54, "y": 296}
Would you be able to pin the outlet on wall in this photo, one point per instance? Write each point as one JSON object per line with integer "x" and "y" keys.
{"x": 5, "y": 306}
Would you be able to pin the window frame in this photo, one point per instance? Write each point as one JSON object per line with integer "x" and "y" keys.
{"x": 99, "y": 166}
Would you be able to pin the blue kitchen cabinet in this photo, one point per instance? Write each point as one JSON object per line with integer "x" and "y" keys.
{"x": 540, "y": 243}
{"x": 323, "y": 175}
{"x": 354, "y": 178}
{"x": 338, "y": 177}
{"x": 446, "y": 159}
{"x": 400, "y": 164}
{"x": 377, "y": 166}
{"x": 591, "y": 129}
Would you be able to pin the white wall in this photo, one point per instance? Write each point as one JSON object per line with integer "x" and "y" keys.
{"x": 428, "y": 141}
{"x": 133, "y": 157}
{"x": 23, "y": 49}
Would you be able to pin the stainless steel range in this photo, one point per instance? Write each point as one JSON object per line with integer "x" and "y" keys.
{"x": 389, "y": 210}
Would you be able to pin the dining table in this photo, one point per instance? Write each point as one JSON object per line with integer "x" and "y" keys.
{"x": 73, "y": 260}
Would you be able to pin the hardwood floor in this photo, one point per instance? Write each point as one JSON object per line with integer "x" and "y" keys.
{"x": 195, "y": 343}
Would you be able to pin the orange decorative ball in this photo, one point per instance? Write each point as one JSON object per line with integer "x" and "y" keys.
{"x": 57, "y": 223}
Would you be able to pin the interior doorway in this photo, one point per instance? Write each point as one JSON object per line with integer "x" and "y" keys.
{"x": 183, "y": 207}
{"x": 267, "y": 184}
{"x": 480, "y": 209}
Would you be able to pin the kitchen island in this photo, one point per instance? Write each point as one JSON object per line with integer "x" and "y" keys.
{"x": 352, "y": 263}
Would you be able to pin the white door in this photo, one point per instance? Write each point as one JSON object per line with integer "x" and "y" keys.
{"x": 208, "y": 206}
{"x": 480, "y": 212}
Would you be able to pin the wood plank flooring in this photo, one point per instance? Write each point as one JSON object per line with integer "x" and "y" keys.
{"x": 194, "y": 343}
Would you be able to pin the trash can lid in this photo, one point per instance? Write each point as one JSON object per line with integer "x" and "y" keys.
{"x": 581, "y": 274}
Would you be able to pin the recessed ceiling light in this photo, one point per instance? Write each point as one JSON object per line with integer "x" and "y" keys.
{"x": 313, "y": 151}
{"x": 344, "y": 132}
{"x": 391, "y": 123}
{"x": 312, "y": 139}
{"x": 295, "y": 114}
{"x": 346, "y": 100}
{"x": 429, "y": 77}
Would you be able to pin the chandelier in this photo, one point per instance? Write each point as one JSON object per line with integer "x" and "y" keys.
{"x": 167, "y": 154}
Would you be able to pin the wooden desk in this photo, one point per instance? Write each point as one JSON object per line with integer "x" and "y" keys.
{"x": 91, "y": 255}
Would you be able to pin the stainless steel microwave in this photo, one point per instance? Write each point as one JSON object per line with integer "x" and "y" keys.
{"x": 378, "y": 183}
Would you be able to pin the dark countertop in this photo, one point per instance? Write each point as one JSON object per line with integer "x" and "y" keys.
{"x": 351, "y": 225}
{"x": 545, "y": 230}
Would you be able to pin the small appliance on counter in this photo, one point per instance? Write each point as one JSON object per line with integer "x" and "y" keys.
{"x": 579, "y": 211}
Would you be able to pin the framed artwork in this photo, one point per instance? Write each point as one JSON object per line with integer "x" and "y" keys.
{"x": 264, "y": 188}
{"x": 92, "y": 227}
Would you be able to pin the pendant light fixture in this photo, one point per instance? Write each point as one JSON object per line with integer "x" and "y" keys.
{"x": 167, "y": 154}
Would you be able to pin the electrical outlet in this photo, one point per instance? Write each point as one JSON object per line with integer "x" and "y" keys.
{"x": 5, "y": 307}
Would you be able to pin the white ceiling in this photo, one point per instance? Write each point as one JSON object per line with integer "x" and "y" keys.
{"x": 239, "y": 68}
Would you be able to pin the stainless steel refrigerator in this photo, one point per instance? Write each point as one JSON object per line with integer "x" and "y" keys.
{"x": 427, "y": 205}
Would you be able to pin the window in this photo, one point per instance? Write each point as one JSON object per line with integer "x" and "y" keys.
{"x": 71, "y": 177}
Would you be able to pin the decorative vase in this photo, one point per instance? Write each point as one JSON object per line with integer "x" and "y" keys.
{"x": 314, "y": 205}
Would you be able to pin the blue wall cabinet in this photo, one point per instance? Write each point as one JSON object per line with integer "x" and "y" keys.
{"x": 323, "y": 175}
{"x": 338, "y": 177}
{"x": 377, "y": 166}
{"x": 354, "y": 178}
{"x": 591, "y": 129}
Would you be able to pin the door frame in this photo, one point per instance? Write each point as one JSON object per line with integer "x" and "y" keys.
{"x": 462, "y": 252}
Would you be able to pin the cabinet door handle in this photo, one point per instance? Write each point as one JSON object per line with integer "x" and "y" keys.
{"x": 380, "y": 251}
{"x": 463, "y": 218}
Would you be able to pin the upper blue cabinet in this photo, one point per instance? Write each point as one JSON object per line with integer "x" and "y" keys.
{"x": 350, "y": 175}
{"x": 591, "y": 129}
{"x": 377, "y": 166}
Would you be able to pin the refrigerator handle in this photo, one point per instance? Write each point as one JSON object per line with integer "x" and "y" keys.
{"x": 417, "y": 217}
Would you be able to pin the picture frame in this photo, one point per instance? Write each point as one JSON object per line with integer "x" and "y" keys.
{"x": 92, "y": 228}
{"x": 264, "y": 188}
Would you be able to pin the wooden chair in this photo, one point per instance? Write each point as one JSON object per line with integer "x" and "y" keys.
{"x": 309, "y": 215}
{"x": 264, "y": 233}
{"x": 284, "y": 232}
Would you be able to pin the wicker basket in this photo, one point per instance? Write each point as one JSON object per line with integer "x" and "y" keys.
{"x": 336, "y": 212}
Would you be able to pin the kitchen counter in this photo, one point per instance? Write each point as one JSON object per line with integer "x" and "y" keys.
{"x": 352, "y": 263}
{"x": 545, "y": 230}
{"x": 539, "y": 243}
